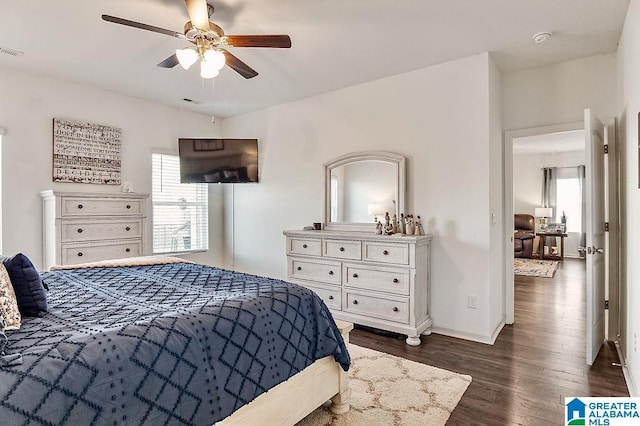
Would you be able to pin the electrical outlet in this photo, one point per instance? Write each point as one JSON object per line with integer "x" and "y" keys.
{"x": 472, "y": 302}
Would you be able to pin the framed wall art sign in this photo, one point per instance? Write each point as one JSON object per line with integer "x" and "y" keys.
{"x": 86, "y": 152}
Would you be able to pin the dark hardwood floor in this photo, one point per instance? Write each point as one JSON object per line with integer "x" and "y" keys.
{"x": 523, "y": 378}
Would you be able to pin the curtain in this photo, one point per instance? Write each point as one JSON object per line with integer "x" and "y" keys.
{"x": 583, "y": 206}
{"x": 549, "y": 185}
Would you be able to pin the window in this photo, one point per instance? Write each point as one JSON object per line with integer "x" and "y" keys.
{"x": 180, "y": 211}
{"x": 569, "y": 201}
{"x": 334, "y": 199}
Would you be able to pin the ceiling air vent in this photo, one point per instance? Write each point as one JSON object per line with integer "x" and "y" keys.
{"x": 191, "y": 101}
{"x": 11, "y": 52}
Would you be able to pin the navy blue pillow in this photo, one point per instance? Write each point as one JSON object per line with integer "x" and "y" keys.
{"x": 27, "y": 284}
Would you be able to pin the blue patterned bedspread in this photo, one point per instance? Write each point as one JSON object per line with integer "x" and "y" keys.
{"x": 162, "y": 344}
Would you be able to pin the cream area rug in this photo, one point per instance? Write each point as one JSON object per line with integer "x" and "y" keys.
{"x": 535, "y": 267}
{"x": 387, "y": 390}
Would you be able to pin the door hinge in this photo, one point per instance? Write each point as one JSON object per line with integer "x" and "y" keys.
{"x": 606, "y": 148}
{"x": 606, "y": 304}
{"x": 606, "y": 227}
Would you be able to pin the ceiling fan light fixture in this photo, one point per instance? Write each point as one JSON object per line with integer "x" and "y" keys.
{"x": 208, "y": 69}
{"x": 215, "y": 58}
{"x": 186, "y": 57}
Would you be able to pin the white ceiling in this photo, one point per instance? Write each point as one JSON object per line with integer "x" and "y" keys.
{"x": 335, "y": 43}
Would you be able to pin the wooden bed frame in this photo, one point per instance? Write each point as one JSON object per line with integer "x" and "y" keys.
{"x": 293, "y": 400}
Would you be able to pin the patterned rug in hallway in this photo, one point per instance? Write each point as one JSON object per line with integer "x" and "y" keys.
{"x": 388, "y": 390}
{"x": 535, "y": 267}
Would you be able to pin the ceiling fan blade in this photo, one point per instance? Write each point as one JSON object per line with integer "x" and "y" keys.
{"x": 198, "y": 14}
{"x": 170, "y": 62}
{"x": 134, "y": 24}
{"x": 280, "y": 40}
{"x": 238, "y": 66}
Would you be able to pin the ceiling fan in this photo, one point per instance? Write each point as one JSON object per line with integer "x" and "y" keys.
{"x": 209, "y": 42}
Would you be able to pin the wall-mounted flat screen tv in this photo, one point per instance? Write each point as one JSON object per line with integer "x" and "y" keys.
{"x": 218, "y": 160}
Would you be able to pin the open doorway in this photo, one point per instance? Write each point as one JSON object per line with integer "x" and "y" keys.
{"x": 548, "y": 185}
{"x": 601, "y": 212}
{"x": 530, "y": 202}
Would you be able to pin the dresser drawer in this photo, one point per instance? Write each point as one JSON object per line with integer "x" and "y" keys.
{"x": 375, "y": 306}
{"x": 332, "y": 297}
{"x": 305, "y": 246}
{"x": 85, "y": 206}
{"x": 79, "y": 230}
{"x": 82, "y": 253}
{"x": 351, "y": 250}
{"x": 325, "y": 272}
{"x": 380, "y": 279}
{"x": 397, "y": 253}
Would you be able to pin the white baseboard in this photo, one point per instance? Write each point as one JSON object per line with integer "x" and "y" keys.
{"x": 462, "y": 335}
{"x": 628, "y": 378}
{"x": 497, "y": 331}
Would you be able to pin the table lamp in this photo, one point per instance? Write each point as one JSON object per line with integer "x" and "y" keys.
{"x": 543, "y": 213}
{"x": 375, "y": 210}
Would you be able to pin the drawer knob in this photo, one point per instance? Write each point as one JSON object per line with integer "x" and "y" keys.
{"x": 79, "y": 254}
{"x": 79, "y": 230}
{"x": 355, "y": 302}
{"x": 330, "y": 272}
{"x": 299, "y": 268}
{"x": 304, "y": 246}
{"x": 395, "y": 281}
{"x": 127, "y": 249}
{"x": 128, "y": 228}
{"x": 330, "y": 297}
{"x": 341, "y": 248}
{"x": 80, "y": 206}
{"x": 395, "y": 309}
{"x": 355, "y": 275}
{"x": 386, "y": 252}
{"x": 128, "y": 206}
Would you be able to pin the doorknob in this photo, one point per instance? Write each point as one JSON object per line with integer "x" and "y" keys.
{"x": 590, "y": 250}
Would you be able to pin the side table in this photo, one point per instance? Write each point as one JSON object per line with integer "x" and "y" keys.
{"x": 542, "y": 236}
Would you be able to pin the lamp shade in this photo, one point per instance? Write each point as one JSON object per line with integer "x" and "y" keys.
{"x": 375, "y": 209}
{"x": 543, "y": 212}
{"x": 215, "y": 58}
{"x": 208, "y": 69}
{"x": 186, "y": 57}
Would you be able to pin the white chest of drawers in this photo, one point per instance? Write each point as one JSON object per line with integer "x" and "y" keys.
{"x": 84, "y": 227}
{"x": 373, "y": 280}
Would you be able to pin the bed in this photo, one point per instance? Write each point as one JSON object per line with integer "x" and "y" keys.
{"x": 163, "y": 341}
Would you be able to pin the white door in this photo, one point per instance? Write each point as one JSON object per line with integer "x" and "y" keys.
{"x": 594, "y": 148}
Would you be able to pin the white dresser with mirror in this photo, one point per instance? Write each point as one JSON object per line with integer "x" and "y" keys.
{"x": 380, "y": 281}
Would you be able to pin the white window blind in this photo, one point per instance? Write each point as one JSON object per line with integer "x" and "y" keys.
{"x": 180, "y": 211}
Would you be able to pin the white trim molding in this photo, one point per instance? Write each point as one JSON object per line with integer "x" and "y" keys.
{"x": 628, "y": 378}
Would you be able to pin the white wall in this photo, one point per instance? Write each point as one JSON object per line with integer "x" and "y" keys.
{"x": 559, "y": 93}
{"x": 628, "y": 107}
{"x": 527, "y": 182}
{"x": 28, "y": 104}
{"x": 439, "y": 118}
